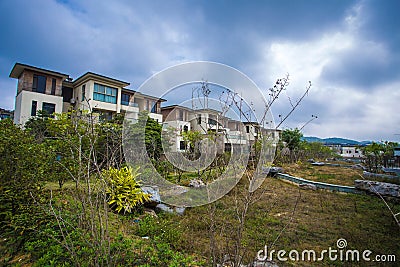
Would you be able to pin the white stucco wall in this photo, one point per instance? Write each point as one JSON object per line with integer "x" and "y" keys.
{"x": 23, "y": 104}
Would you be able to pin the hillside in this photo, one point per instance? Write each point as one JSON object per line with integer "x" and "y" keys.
{"x": 335, "y": 141}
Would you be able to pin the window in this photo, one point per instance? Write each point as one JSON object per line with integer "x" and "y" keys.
{"x": 247, "y": 129}
{"x": 153, "y": 107}
{"x": 185, "y": 128}
{"x": 106, "y": 116}
{"x": 39, "y": 84}
{"x": 212, "y": 121}
{"x": 53, "y": 86}
{"x": 66, "y": 93}
{"x": 34, "y": 108}
{"x": 48, "y": 108}
{"x": 105, "y": 94}
{"x": 182, "y": 145}
{"x": 125, "y": 99}
{"x": 180, "y": 116}
{"x": 83, "y": 92}
{"x": 199, "y": 119}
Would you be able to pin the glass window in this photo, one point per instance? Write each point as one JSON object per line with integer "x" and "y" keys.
{"x": 180, "y": 117}
{"x": 48, "y": 108}
{"x": 83, "y": 92}
{"x": 125, "y": 99}
{"x": 182, "y": 145}
{"x": 105, "y": 94}
{"x": 34, "y": 108}
{"x": 199, "y": 119}
{"x": 53, "y": 86}
{"x": 39, "y": 84}
{"x": 153, "y": 107}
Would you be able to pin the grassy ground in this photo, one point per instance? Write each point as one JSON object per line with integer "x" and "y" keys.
{"x": 316, "y": 222}
{"x": 326, "y": 173}
{"x": 284, "y": 217}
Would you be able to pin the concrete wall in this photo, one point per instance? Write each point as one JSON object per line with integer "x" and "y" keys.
{"x": 23, "y": 104}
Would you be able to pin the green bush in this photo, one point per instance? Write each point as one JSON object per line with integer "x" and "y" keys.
{"x": 123, "y": 190}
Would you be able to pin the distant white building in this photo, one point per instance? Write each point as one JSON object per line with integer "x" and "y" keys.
{"x": 351, "y": 152}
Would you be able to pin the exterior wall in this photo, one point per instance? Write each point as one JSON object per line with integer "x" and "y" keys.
{"x": 157, "y": 117}
{"x": 251, "y": 134}
{"x": 94, "y": 104}
{"x": 25, "y": 82}
{"x": 204, "y": 126}
{"x": 351, "y": 152}
{"x": 235, "y": 137}
{"x": 66, "y": 107}
{"x": 178, "y": 127}
{"x": 25, "y": 95}
{"x": 23, "y": 104}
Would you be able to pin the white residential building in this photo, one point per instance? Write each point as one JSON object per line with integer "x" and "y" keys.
{"x": 51, "y": 91}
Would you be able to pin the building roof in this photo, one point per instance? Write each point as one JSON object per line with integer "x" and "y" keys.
{"x": 91, "y": 75}
{"x": 19, "y": 68}
{"x": 144, "y": 95}
{"x": 176, "y": 106}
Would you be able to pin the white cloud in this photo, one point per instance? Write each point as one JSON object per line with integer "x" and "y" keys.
{"x": 334, "y": 61}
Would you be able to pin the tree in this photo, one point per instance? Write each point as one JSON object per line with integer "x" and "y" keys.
{"x": 378, "y": 154}
{"x": 192, "y": 139}
{"x": 292, "y": 138}
{"x": 24, "y": 165}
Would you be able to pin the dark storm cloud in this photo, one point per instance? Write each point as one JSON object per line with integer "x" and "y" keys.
{"x": 348, "y": 48}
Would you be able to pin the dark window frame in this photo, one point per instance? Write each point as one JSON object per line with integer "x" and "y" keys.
{"x": 39, "y": 84}
{"x": 125, "y": 99}
{"x": 53, "y": 86}
{"x": 83, "y": 92}
{"x": 45, "y": 107}
{"x": 34, "y": 108}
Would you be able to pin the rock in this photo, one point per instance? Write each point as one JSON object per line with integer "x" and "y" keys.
{"x": 179, "y": 210}
{"x": 196, "y": 183}
{"x": 310, "y": 160}
{"x": 358, "y": 167}
{"x": 150, "y": 212}
{"x": 371, "y": 175}
{"x": 168, "y": 209}
{"x": 308, "y": 186}
{"x": 275, "y": 170}
{"x": 164, "y": 208}
{"x": 380, "y": 188}
{"x": 155, "y": 195}
{"x": 318, "y": 163}
{"x": 392, "y": 170}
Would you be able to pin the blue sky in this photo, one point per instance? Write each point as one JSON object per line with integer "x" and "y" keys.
{"x": 350, "y": 50}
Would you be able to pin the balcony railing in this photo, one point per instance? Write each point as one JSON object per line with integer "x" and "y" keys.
{"x": 130, "y": 104}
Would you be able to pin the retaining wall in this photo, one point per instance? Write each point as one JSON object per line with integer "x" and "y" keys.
{"x": 332, "y": 187}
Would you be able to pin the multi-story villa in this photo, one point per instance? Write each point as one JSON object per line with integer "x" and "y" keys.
{"x": 228, "y": 132}
{"x": 51, "y": 91}
{"x": 56, "y": 92}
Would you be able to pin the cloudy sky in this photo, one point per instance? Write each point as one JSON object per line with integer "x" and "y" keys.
{"x": 349, "y": 50}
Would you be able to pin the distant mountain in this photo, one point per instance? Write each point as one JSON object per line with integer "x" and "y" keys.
{"x": 335, "y": 141}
